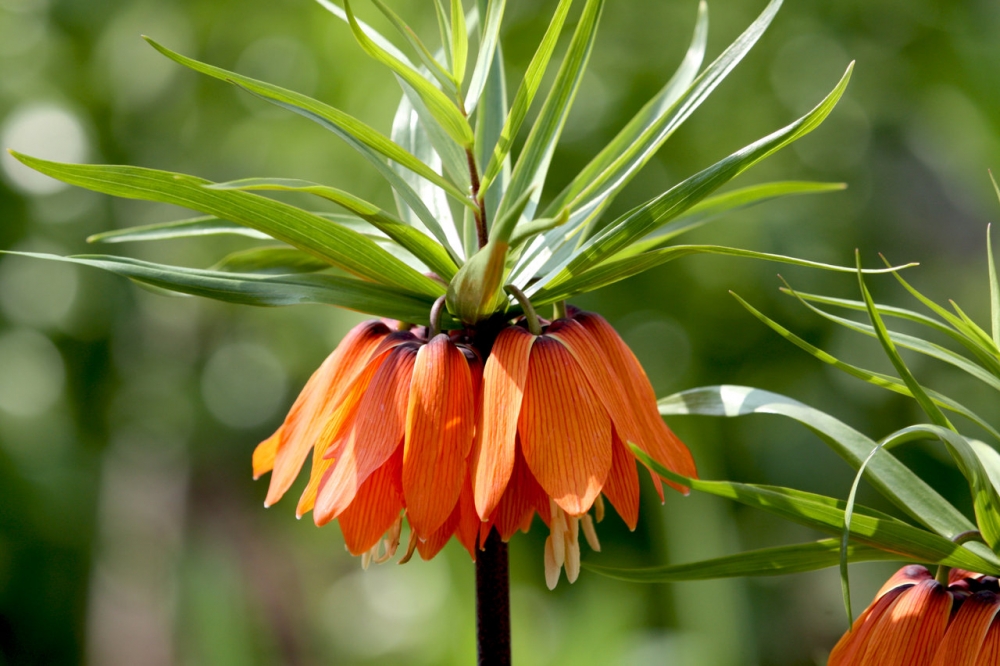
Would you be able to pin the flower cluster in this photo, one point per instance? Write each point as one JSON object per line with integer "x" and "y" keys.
{"x": 917, "y": 621}
{"x": 402, "y": 421}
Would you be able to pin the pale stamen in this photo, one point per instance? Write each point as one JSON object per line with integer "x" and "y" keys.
{"x": 599, "y": 510}
{"x": 411, "y": 547}
{"x": 590, "y": 533}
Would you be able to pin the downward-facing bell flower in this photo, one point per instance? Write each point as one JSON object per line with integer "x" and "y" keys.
{"x": 400, "y": 424}
{"x": 917, "y": 621}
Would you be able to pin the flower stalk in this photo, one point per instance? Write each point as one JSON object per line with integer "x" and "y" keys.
{"x": 493, "y": 603}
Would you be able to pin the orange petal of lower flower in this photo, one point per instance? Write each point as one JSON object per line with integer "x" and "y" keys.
{"x": 854, "y": 643}
{"x": 375, "y": 508}
{"x": 909, "y": 632}
{"x": 264, "y": 454}
{"x": 908, "y": 575}
{"x": 989, "y": 655}
{"x": 437, "y": 540}
{"x": 622, "y": 485}
{"x": 316, "y": 402}
{"x": 565, "y": 430}
{"x": 967, "y": 631}
{"x": 520, "y": 500}
{"x": 504, "y": 377}
{"x": 467, "y": 531}
{"x": 662, "y": 445}
{"x": 439, "y": 429}
{"x": 377, "y": 431}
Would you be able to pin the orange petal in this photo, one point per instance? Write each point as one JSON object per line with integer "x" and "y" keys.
{"x": 338, "y": 426}
{"x": 468, "y": 525}
{"x": 909, "y": 632}
{"x": 622, "y": 485}
{"x": 565, "y": 431}
{"x": 520, "y": 500}
{"x": 504, "y": 378}
{"x": 664, "y": 446}
{"x": 318, "y": 400}
{"x": 376, "y": 506}
{"x": 374, "y": 436}
{"x": 990, "y": 654}
{"x": 437, "y": 540}
{"x": 908, "y": 575}
{"x": 439, "y": 429}
{"x": 263, "y": 455}
{"x": 855, "y": 642}
{"x": 967, "y": 632}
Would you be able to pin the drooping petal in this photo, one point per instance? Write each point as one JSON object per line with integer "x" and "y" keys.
{"x": 622, "y": 485}
{"x": 565, "y": 430}
{"x": 376, "y": 506}
{"x": 318, "y": 400}
{"x": 504, "y": 378}
{"x": 467, "y": 531}
{"x": 523, "y": 497}
{"x": 437, "y": 539}
{"x": 967, "y": 631}
{"x": 664, "y": 446}
{"x": 908, "y": 575}
{"x": 854, "y": 643}
{"x": 989, "y": 655}
{"x": 439, "y": 429}
{"x": 264, "y": 454}
{"x": 909, "y": 632}
{"x": 376, "y": 432}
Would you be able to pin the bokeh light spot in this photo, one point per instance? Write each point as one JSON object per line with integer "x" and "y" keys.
{"x": 42, "y": 130}
{"x": 243, "y": 385}
{"x": 33, "y": 374}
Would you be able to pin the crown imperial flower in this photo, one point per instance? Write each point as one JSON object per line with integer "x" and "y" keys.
{"x": 408, "y": 422}
{"x": 917, "y": 621}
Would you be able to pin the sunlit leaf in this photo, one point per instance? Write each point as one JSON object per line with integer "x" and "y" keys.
{"x": 459, "y": 42}
{"x": 320, "y": 237}
{"x": 778, "y": 561}
{"x": 204, "y": 225}
{"x": 426, "y": 57}
{"x": 444, "y": 110}
{"x": 826, "y": 514}
{"x": 276, "y": 260}
{"x": 888, "y": 476}
{"x": 646, "y": 218}
{"x": 485, "y": 59}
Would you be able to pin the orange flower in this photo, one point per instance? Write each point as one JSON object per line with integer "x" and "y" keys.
{"x": 916, "y": 621}
{"x": 400, "y": 423}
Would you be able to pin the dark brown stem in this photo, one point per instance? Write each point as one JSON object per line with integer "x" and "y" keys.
{"x": 493, "y": 603}
{"x": 483, "y": 235}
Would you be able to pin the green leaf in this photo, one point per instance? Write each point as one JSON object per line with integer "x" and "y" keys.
{"x": 486, "y": 58}
{"x": 779, "y": 561}
{"x": 526, "y": 232}
{"x": 613, "y": 167}
{"x": 888, "y": 476}
{"x": 490, "y": 118}
{"x": 372, "y": 33}
{"x": 874, "y": 378}
{"x": 715, "y": 207}
{"x": 444, "y": 29}
{"x": 259, "y": 290}
{"x": 826, "y": 514}
{"x": 204, "y": 225}
{"x": 646, "y": 218}
{"x": 994, "y": 286}
{"x": 274, "y": 259}
{"x": 983, "y": 356}
{"x": 911, "y": 342}
{"x": 453, "y": 157}
{"x": 532, "y": 164}
{"x": 317, "y": 111}
{"x": 985, "y": 499}
{"x": 320, "y": 237}
{"x": 444, "y": 110}
{"x": 459, "y": 42}
{"x": 422, "y": 247}
{"x": 432, "y": 65}
{"x": 931, "y": 409}
{"x": 618, "y": 269}
{"x": 526, "y": 93}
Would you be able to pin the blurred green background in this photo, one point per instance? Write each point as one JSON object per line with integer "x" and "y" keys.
{"x": 130, "y": 530}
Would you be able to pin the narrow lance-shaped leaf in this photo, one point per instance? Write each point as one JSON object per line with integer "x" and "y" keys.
{"x": 618, "y": 269}
{"x": 826, "y": 514}
{"x": 421, "y": 246}
{"x": 715, "y": 207}
{"x": 316, "y": 110}
{"x": 994, "y": 288}
{"x": 532, "y": 164}
{"x": 874, "y": 378}
{"x": 443, "y": 76}
{"x": 453, "y": 156}
{"x": 203, "y": 225}
{"x": 779, "y": 561}
{"x": 274, "y": 259}
{"x": 246, "y": 289}
{"x": 485, "y": 59}
{"x": 490, "y": 118}
{"x": 459, "y": 42}
{"x": 888, "y": 476}
{"x": 443, "y": 109}
{"x": 526, "y": 93}
{"x": 646, "y": 218}
{"x": 322, "y": 238}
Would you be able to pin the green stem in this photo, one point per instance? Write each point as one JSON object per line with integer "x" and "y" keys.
{"x": 529, "y": 310}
